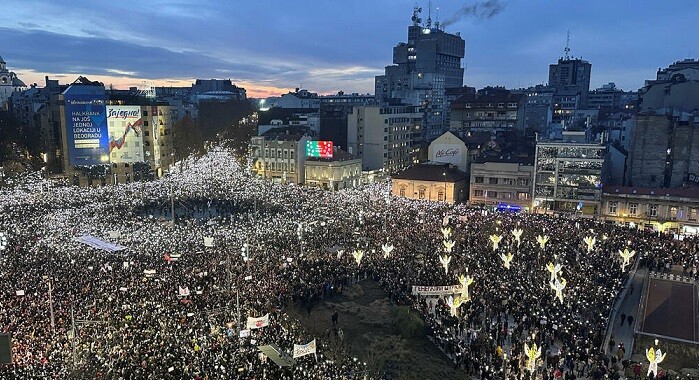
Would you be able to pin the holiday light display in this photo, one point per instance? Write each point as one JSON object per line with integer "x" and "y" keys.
{"x": 558, "y": 284}
{"x": 654, "y": 358}
{"x": 590, "y": 241}
{"x": 446, "y": 231}
{"x": 542, "y": 240}
{"x": 449, "y": 245}
{"x": 626, "y": 256}
{"x": 445, "y": 260}
{"x": 495, "y": 239}
{"x": 533, "y": 353}
{"x": 465, "y": 282}
{"x": 507, "y": 259}
{"x": 517, "y": 233}
{"x": 358, "y": 254}
{"x": 554, "y": 269}
{"x": 387, "y": 249}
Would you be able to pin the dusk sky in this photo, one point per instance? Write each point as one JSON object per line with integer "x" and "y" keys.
{"x": 271, "y": 47}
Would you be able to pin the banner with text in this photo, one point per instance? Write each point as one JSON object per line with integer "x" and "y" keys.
{"x": 304, "y": 349}
{"x": 258, "y": 323}
{"x": 86, "y": 128}
{"x": 437, "y": 290}
{"x": 125, "y": 134}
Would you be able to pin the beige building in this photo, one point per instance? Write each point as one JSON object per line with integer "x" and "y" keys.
{"x": 279, "y": 156}
{"x": 343, "y": 171}
{"x": 507, "y": 184}
{"x": 674, "y": 210}
{"x": 432, "y": 182}
{"x": 386, "y": 138}
{"x": 449, "y": 149}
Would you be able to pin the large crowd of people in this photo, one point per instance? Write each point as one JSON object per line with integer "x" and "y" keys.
{"x": 74, "y": 311}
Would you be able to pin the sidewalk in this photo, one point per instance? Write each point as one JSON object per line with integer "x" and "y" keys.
{"x": 629, "y": 306}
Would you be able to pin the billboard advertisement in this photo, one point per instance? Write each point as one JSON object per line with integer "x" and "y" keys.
{"x": 447, "y": 153}
{"x": 125, "y": 134}
{"x": 322, "y": 149}
{"x": 86, "y": 135}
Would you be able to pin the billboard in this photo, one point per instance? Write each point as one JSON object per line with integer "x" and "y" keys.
{"x": 86, "y": 134}
{"x": 125, "y": 134}
{"x": 322, "y": 149}
{"x": 447, "y": 153}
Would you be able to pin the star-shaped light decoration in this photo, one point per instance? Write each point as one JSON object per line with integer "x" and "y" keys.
{"x": 517, "y": 233}
{"x": 449, "y": 245}
{"x": 445, "y": 260}
{"x": 387, "y": 249}
{"x": 558, "y": 284}
{"x": 496, "y": 241}
{"x": 654, "y": 358}
{"x": 626, "y": 256}
{"x": 590, "y": 241}
{"x": 554, "y": 269}
{"x": 446, "y": 231}
{"x": 533, "y": 353}
{"x": 465, "y": 282}
{"x": 358, "y": 254}
{"x": 507, "y": 259}
{"x": 542, "y": 240}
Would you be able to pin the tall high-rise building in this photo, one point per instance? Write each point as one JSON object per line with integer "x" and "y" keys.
{"x": 570, "y": 79}
{"x": 423, "y": 68}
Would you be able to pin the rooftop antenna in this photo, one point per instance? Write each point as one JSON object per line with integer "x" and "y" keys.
{"x": 567, "y": 48}
{"x": 416, "y": 20}
{"x": 436, "y": 23}
{"x": 429, "y": 15}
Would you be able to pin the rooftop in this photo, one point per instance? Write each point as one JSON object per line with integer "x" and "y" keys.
{"x": 684, "y": 192}
{"x": 436, "y": 172}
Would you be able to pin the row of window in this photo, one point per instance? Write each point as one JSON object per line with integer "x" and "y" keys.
{"x": 652, "y": 210}
{"x": 503, "y": 181}
{"x": 522, "y": 196}
{"x": 280, "y": 153}
{"x": 421, "y": 194}
{"x": 492, "y": 105}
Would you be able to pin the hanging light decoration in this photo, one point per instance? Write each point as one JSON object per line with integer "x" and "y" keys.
{"x": 495, "y": 239}
{"x": 507, "y": 259}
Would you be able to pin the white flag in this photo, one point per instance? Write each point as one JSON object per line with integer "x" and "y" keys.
{"x": 304, "y": 349}
{"x": 257, "y": 323}
{"x": 208, "y": 242}
{"x": 20, "y": 292}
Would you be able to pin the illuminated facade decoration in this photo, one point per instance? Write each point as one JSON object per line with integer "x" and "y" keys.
{"x": 568, "y": 175}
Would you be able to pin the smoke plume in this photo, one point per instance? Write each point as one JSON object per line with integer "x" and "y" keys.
{"x": 482, "y": 10}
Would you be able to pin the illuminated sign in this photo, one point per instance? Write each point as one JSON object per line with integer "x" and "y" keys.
{"x": 86, "y": 122}
{"x": 322, "y": 149}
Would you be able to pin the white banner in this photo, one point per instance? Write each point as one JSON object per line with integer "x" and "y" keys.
{"x": 437, "y": 290}
{"x": 244, "y": 333}
{"x": 183, "y": 292}
{"x": 257, "y": 323}
{"x": 304, "y": 349}
{"x": 208, "y": 242}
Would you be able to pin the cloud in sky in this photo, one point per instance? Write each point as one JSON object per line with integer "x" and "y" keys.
{"x": 327, "y": 46}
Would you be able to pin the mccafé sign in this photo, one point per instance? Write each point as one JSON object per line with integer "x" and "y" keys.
{"x": 449, "y": 152}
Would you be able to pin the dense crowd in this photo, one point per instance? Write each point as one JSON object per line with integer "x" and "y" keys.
{"x": 129, "y": 325}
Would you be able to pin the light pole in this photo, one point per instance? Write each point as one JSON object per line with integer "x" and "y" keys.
{"x": 53, "y": 320}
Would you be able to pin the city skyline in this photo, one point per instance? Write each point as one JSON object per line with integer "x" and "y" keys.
{"x": 327, "y": 47}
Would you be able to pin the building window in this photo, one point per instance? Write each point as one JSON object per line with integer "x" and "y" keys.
{"x": 479, "y": 179}
{"x": 508, "y": 181}
{"x": 523, "y": 196}
{"x": 493, "y": 180}
{"x": 652, "y": 210}
{"x": 491, "y": 194}
{"x": 440, "y": 196}
{"x": 693, "y": 214}
{"x": 402, "y": 191}
{"x": 633, "y": 208}
{"x": 421, "y": 193}
{"x": 478, "y": 193}
{"x": 673, "y": 212}
{"x": 613, "y": 207}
